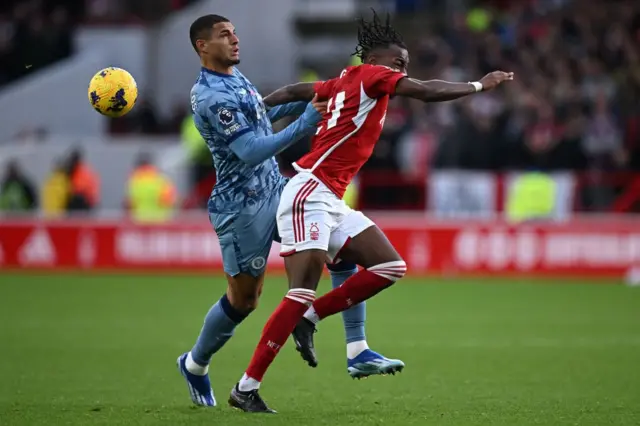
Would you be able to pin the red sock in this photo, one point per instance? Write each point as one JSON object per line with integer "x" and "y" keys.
{"x": 277, "y": 330}
{"x": 359, "y": 287}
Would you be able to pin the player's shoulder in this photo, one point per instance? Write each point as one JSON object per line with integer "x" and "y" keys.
{"x": 238, "y": 74}
{"x": 375, "y": 69}
{"x": 364, "y": 71}
{"x": 351, "y": 70}
{"x": 214, "y": 95}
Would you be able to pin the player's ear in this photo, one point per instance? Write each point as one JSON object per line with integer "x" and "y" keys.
{"x": 202, "y": 45}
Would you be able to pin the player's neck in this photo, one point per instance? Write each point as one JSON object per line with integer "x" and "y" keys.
{"x": 215, "y": 67}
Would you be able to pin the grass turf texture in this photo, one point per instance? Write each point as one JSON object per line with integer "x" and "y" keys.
{"x": 101, "y": 350}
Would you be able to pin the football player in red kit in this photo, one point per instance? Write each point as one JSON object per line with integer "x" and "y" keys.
{"x": 315, "y": 224}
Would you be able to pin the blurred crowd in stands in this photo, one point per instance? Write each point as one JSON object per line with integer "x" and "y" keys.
{"x": 37, "y": 33}
{"x": 573, "y": 105}
{"x": 34, "y": 34}
{"x": 72, "y": 185}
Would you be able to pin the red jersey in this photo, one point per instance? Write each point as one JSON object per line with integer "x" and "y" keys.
{"x": 351, "y": 126}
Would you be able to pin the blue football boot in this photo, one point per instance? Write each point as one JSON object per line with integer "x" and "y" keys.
{"x": 369, "y": 363}
{"x": 199, "y": 386}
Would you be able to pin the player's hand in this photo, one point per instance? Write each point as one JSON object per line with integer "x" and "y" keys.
{"x": 320, "y": 106}
{"x": 313, "y": 113}
{"x": 494, "y": 79}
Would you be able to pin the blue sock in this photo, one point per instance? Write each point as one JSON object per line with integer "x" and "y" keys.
{"x": 355, "y": 316}
{"x": 219, "y": 324}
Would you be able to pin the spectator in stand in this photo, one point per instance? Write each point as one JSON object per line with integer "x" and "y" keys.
{"x": 85, "y": 184}
{"x": 17, "y": 193}
{"x": 602, "y": 141}
{"x": 151, "y": 195}
{"x": 55, "y": 191}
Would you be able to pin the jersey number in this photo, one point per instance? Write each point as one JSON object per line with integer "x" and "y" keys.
{"x": 337, "y": 103}
{"x": 337, "y": 107}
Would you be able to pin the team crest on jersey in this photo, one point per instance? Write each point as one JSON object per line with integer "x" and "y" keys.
{"x": 314, "y": 232}
{"x": 258, "y": 262}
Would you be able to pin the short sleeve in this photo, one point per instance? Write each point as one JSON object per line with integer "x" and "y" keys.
{"x": 225, "y": 117}
{"x": 380, "y": 80}
{"x": 324, "y": 88}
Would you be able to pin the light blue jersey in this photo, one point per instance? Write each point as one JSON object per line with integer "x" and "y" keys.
{"x": 232, "y": 119}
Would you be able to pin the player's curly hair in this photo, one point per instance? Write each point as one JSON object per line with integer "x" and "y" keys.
{"x": 376, "y": 34}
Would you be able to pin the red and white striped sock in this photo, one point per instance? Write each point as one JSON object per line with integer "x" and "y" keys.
{"x": 275, "y": 334}
{"x": 358, "y": 288}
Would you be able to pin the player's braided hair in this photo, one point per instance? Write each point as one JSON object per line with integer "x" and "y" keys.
{"x": 376, "y": 34}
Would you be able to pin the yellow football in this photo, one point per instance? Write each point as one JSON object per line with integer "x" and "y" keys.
{"x": 113, "y": 92}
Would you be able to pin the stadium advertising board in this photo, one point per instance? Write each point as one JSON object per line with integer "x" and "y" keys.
{"x": 580, "y": 247}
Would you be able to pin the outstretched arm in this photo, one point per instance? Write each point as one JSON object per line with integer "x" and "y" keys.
{"x": 433, "y": 90}
{"x": 440, "y": 91}
{"x": 291, "y": 93}
{"x": 228, "y": 125}
{"x": 253, "y": 149}
{"x": 289, "y": 109}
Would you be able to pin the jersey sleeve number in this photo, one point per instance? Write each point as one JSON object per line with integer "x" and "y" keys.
{"x": 337, "y": 103}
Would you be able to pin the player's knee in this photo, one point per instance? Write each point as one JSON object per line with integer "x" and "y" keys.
{"x": 392, "y": 271}
{"x": 307, "y": 280}
{"x": 250, "y": 302}
{"x": 244, "y": 301}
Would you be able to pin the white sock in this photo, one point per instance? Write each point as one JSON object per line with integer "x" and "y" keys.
{"x": 195, "y": 368}
{"x": 247, "y": 384}
{"x": 356, "y": 348}
{"x": 312, "y": 316}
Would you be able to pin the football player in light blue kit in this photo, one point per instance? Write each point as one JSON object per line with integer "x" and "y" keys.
{"x": 232, "y": 118}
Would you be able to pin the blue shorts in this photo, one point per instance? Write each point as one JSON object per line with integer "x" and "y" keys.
{"x": 246, "y": 236}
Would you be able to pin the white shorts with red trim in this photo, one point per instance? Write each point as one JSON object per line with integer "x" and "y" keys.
{"x": 310, "y": 216}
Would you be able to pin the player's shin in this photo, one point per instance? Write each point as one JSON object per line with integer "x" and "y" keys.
{"x": 353, "y": 318}
{"x": 358, "y": 288}
{"x": 219, "y": 325}
{"x": 275, "y": 334}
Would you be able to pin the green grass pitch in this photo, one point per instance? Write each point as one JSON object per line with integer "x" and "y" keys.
{"x": 101, "y": 349}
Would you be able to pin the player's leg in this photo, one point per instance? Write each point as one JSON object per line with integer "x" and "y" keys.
{"x": 353, "y": 320}
{"x": 304, "y": 270}
{"x": 359, "y": 241}
{"x": 382, "y": 264}
{"x": 305, "y": 228}
{"x": 221, "y": 320}
{"x": 240, "y": 299}
{"x": 354, "y": 317}
{"x": 245, "y": 246}
{"x": 361, "y": 360}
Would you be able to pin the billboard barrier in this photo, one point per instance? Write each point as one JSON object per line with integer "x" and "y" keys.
{"x": 577, "y": 247}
